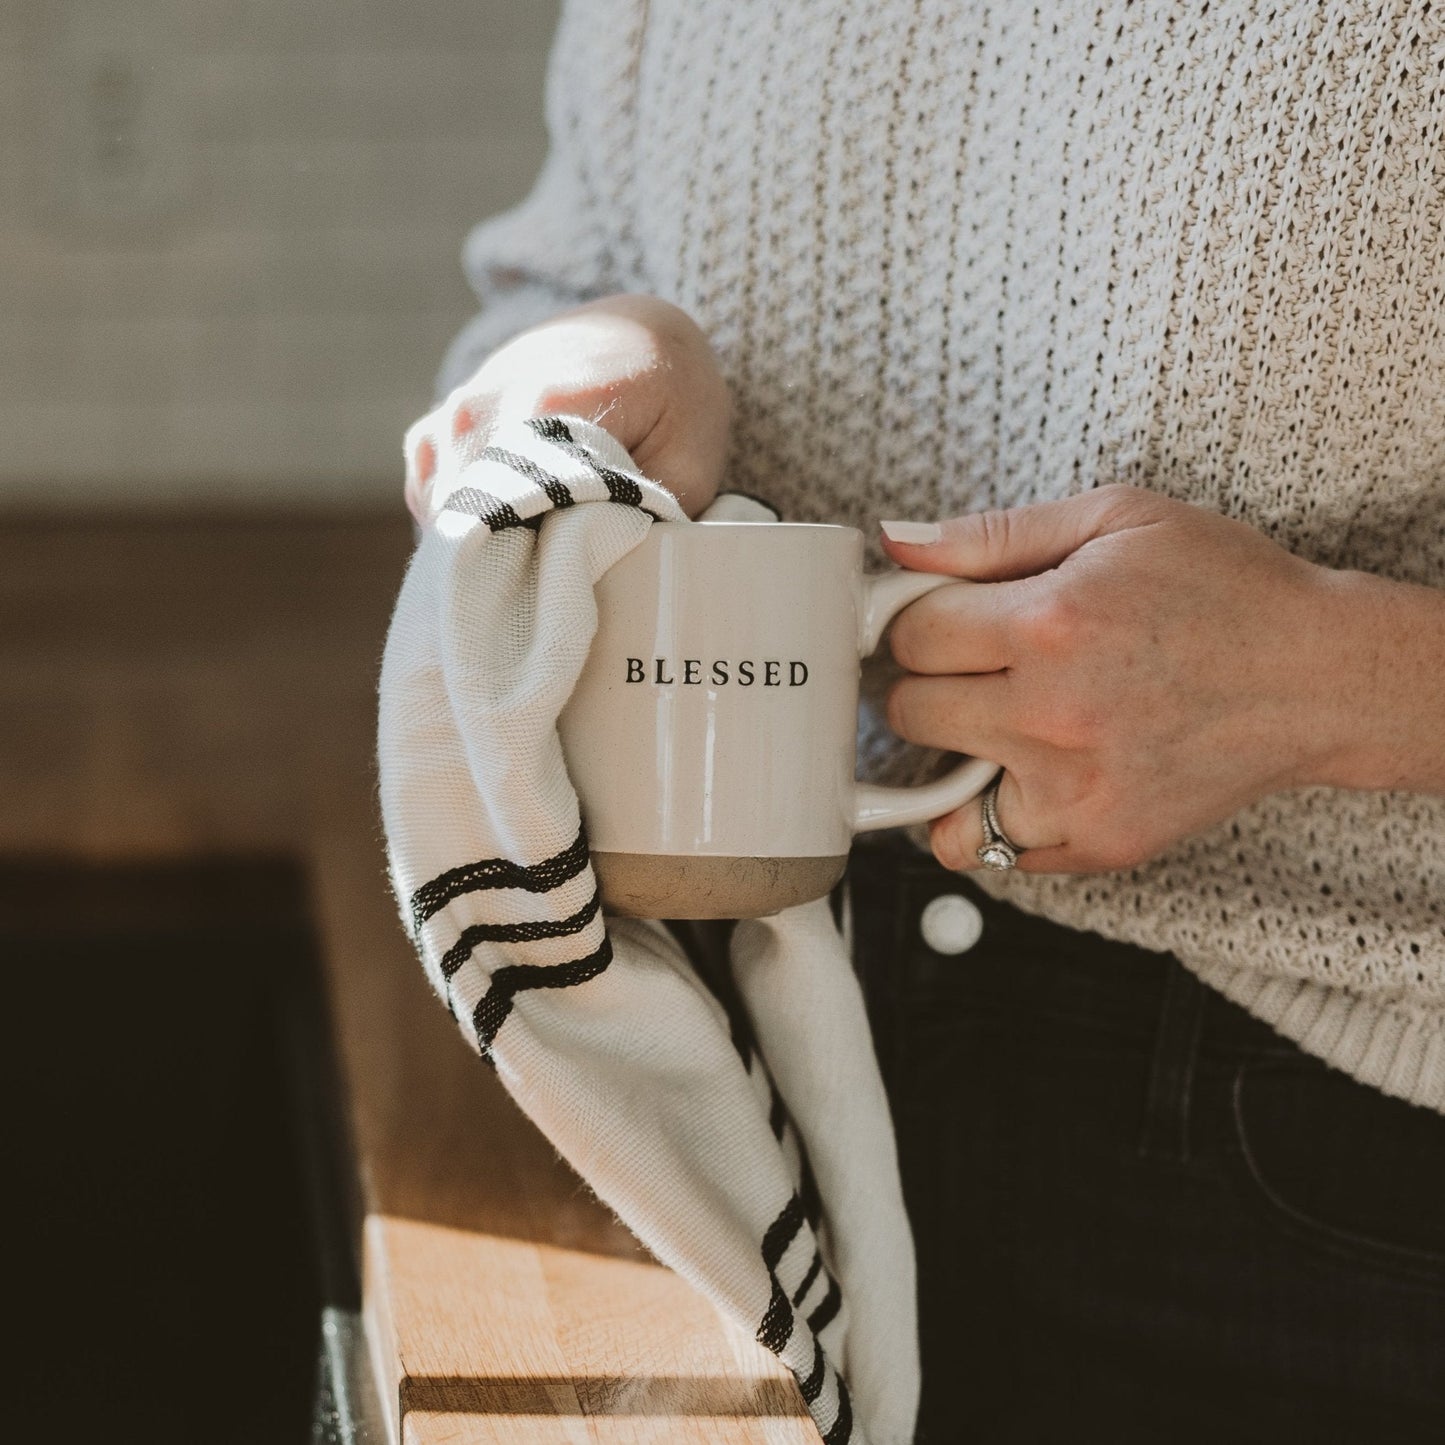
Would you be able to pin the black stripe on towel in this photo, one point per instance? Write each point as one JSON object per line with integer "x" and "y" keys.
{"x": 782, "y": 1232}
{"x": 811, "y": 1384}
{"x": 494, "y": 1006}
{"x": 620, "y": 487}
{"x": 554, "y": 487}
{"x": 801, "y": 1293}
{"x": 777, "y": 1326}
{"x": 500, "y": 515}
{"x": 828, "y": 1308}
{"x": 527, "y": 932}
{"x": 842, "y": 1430}
{"x": 543, "y": 877}
{"x": 497, "y": 514}
{"x": 779, "y": 1321}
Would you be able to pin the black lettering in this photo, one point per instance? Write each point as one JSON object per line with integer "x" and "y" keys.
{"x": 661, "y": 665}
{"x": 634, "y": 669}
{"x": 770, "y": 673}
{"x": 745, "y": 673}
{"x": 723, "y": 668}
{"x": 793, "y": 679}
{"x": 690, "y": 667}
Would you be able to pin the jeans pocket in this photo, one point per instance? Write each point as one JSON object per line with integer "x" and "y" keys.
{"x": 1341, "y": 1168}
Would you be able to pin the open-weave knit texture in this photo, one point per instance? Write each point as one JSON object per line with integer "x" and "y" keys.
{"x": 956, "y": 254}
{"x": 750, "y": 1149}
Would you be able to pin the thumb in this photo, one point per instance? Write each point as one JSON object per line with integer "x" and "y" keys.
{"x": 1018, "y": 542}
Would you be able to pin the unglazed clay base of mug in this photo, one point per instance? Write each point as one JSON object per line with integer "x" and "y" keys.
{"x": 662, "y": 885}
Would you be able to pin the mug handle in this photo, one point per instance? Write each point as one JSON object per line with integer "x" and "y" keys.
{"x": 884, "y": 596}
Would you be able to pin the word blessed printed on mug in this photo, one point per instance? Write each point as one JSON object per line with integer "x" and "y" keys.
{"x": 692, "y": 670}
{"x": 711, "y": 736}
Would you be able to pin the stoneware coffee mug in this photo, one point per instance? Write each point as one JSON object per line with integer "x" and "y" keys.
{"x": 712, "y": 734}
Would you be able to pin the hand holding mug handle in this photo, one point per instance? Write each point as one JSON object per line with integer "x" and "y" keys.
{"x": 884, "y": 596}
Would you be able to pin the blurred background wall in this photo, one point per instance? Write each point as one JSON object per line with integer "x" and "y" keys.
{"x": 229, "y": 233}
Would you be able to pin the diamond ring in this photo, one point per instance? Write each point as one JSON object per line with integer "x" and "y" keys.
{"x": 998, "y": 852}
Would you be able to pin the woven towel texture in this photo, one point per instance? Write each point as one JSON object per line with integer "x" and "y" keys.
{"x": 758, "y": 1162}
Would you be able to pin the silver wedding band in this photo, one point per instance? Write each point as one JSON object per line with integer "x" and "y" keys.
{"x": 999, "y": 852}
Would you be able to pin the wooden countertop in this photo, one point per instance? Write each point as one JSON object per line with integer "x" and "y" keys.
{"x": 206, "y": 686}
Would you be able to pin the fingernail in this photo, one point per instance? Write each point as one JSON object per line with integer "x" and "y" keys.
{"x": 915, "y": 534}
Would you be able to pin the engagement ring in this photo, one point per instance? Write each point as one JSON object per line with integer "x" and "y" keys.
{"x": 998, "y": 852}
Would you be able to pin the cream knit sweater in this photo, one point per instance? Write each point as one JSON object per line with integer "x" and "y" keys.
{"x": 960, "y": 253}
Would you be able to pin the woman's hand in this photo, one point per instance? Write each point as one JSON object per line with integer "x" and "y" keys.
{"x": 1143, "y": 669}
{"x": 636, "y": 365}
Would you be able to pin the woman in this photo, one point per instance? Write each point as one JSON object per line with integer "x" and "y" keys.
{"x": 1137, "y": 316}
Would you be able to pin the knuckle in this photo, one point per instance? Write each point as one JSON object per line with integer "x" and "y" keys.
{"x": 470, "y": 421}
{"x": 1052, "y": 622}
{"x": 1067, "y": 721}
{"x": 555, "y": 398}
{"x": 464, "y": 421}
{"x": 1120, "y": 504}
{"x": 616, "y": 402}
{"x": 1115, "y": 493}
{"x": 1076, "y": 786}
{"x": 421, "y": 459}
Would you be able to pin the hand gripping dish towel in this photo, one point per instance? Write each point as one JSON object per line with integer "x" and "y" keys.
{"x": 763, "y": 1170}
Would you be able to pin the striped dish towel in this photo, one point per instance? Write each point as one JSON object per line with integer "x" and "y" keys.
{"x": 757, "y": 1161}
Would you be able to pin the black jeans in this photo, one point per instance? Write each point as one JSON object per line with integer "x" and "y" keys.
{"x": 1141, "y": 1214}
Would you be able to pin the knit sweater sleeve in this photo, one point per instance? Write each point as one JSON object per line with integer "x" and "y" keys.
{"x": 566, "y": 242}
